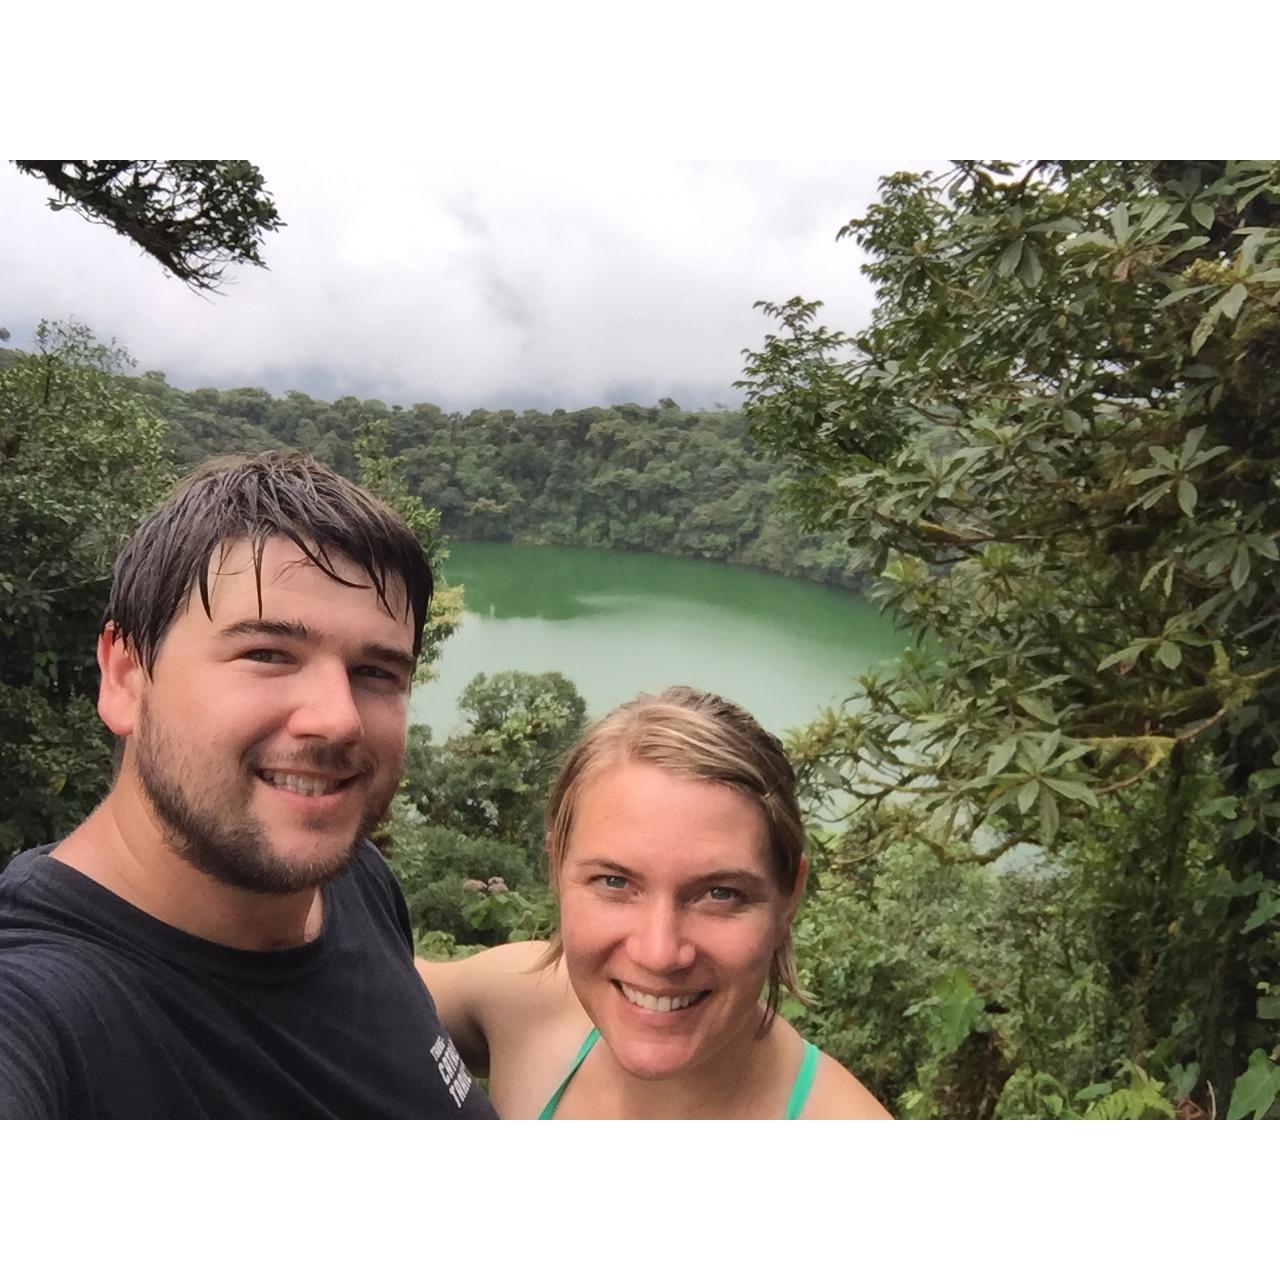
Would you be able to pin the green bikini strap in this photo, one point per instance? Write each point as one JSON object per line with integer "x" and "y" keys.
{"x": 554, "y": 1101}
{"x": 804, "y": 1082}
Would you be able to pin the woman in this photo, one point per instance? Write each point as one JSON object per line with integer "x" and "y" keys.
{"x": 675, "y": 847}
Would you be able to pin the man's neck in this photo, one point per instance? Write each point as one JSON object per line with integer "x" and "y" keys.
{"x": 121, "y": 847}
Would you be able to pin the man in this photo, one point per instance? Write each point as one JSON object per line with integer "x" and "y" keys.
{"x": 219, "y": 939}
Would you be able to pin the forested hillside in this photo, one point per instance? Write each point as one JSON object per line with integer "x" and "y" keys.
{"x": 643, "y": 479}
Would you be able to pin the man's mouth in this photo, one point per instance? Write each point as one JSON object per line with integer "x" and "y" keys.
{"x": 303, "y": 784}
{"x": 660, "y": 1004}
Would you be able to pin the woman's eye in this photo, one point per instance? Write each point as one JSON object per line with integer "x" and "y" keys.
{"x": 614, "y": 882}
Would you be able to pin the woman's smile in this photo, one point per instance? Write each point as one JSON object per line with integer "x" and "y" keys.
{"x": 674, "y": 1002}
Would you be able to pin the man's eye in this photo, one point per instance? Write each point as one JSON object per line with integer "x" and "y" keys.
{"x": 266, "y": 655}
{"x": 376, "y": 673}
{"x": 722, "y": 893}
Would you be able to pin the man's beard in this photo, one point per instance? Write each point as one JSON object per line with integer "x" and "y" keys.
{"x": 233, "y": 850}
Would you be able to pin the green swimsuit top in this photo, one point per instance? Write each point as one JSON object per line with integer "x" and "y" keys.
{"x": 795, "y": 1104}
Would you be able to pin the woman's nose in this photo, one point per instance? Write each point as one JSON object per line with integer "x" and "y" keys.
{"x": 657, "y": 942}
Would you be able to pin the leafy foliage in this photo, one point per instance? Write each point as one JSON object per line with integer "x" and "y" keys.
{"x": 644, "y": 479}
{"x": 194, "y": 217}
{"x": 381, "y": 476}
{"x": 470, "y": 810}
{"x": 1054, "y": 448}
{"x": 81, "y": 461}
{"x": 491, "y": 779}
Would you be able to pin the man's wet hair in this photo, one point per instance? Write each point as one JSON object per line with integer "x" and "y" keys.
{"x": 273, "y": 495}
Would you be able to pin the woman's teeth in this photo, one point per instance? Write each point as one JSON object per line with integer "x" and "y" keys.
{"x": 658, "y": 1004}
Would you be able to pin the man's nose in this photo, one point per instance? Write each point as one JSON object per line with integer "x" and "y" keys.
{"x": 326, "y": 706}
{"x": 657, "y": 942}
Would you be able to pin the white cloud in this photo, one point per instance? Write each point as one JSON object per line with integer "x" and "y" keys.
{"x": 467, "y": 283}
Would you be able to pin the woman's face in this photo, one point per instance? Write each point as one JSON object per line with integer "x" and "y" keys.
{"x": 670, "y": 915}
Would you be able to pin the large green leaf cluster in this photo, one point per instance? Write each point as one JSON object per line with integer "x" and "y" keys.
{"x": 1054, "y": 447}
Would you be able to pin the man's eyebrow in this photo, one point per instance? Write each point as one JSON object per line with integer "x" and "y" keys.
{"x": 268, "y": 627}
{"x": 299, "y": 631}
{"x": 392, "y": 657}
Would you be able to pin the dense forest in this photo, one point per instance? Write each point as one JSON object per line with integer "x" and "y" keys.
{"x": 630, "y": 477}
{"x": 1051, "y": 453}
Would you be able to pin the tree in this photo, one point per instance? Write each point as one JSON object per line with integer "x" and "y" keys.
{"x": 194, "y": 217}
{"x": 81, "y": 462}
{"x": 1055, "y": 446}
{"x": 471, "y": 810}
{"x": 381, "y": 475}
{"x": 491, "y": 780}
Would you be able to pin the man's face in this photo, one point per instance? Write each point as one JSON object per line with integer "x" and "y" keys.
{"x": 270, "y": 746}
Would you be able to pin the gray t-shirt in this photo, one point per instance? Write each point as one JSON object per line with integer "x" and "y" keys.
{"x": 105, "y": 1012}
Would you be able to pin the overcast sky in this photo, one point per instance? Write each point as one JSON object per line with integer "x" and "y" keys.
{"x": 497, "y": 283}
{"x": 516, "y": 205}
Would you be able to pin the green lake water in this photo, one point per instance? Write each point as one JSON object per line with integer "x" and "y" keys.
{"x": 618, "y": 623}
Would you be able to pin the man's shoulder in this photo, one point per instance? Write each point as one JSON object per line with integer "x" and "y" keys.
{"x": 34, "y": 946}
{"x": 370, "y": 880}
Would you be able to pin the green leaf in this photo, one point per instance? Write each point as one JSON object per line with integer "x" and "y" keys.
{"x": 1240, "y": 569}
{"x": 1037, "y": 707}
{"x": 1187, "y": 496}
{"x": 1169, "y": 654}
{"x": 1030, "y": 272}
{"x": 1204, "y": 328}
{"x": 1073, "y": 791}
{"x": 1120, "y": 221}
{"x": 959, "y": 1011}
{"x": 1269, "y": 1008}
{"x": 832, "y": 777}
{"x": 1130, "y": 653}
{"x": 1092, "y": 1091}
{"x": 1027, "y": 795}
{"x": 1010, "y": 258}
{"x": 1267, "y": 909}
{"x": 1233, "y": 300}
{"x": 1202, "y": 212}
{"x": 1178, "y": 294}
{"x": 1048, "y": 816}
{"x": 1255, "y": 1091}
{"x": 1001, "y": 756}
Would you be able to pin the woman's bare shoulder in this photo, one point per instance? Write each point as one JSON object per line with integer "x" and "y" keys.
{"x": 837, "y": 1094}
{"x": 513, "y": 970}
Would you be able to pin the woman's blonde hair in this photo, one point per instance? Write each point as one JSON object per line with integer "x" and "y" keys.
{"x": 693, "y": 735}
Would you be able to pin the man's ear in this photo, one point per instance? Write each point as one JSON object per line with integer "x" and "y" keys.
{"x": 120, "y": 689}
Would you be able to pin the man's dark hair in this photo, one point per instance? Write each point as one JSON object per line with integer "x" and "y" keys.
{"x": 275, "y": 494}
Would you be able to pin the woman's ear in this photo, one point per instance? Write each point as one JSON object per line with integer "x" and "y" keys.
{"x": 120, "y": 687}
